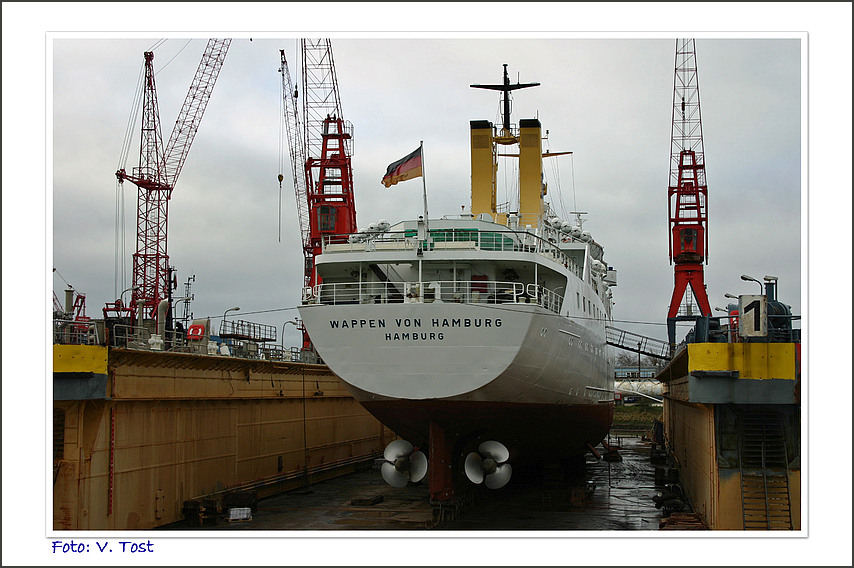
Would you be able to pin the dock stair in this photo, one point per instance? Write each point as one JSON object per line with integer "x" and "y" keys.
{"x": 629, "y": 341}
{"x": 764, "y": 472}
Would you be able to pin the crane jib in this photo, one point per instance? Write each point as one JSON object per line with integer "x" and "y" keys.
{"x": 158, "y": 172}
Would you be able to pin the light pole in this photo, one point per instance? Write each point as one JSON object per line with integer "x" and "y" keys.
{"x": 283, "y": 331}
{"x": 747, "y": 278}
{"x": 136, "y": 287}
{"x": 222, "y": 325}
{"x": 234, "y": 309}
{"x": 639, "y": 371}
{"x": 178, "y": 301}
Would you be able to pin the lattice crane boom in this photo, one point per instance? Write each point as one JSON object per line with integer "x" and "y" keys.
{"x": 297, "y": 147}
{"x": 193, "y": 108}
{"x": 158, "y": 171}
{"x": 321, "y": 98}
{"x": 320, "y": 144}
{"x": 687, "y": 191}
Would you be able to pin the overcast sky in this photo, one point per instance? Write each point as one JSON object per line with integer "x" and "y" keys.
{"x": 606, "y": 100}
{"x": 605, "y": 96}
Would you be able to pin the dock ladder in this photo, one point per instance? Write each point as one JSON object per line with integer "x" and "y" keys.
{"x": 764, "y": 472}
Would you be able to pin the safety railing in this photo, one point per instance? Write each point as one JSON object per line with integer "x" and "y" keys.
{"x": 638, "y": 343}
{"x": 239, "y": 329}
{"x": 451, "y": 240}
{"x": 67, "y": 332}
{"x": 457, "y": 291}
{"x": 75, "y": 332}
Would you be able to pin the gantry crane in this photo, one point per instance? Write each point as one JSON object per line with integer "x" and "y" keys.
{"x": 320, "y": 143}
{"x": 687, "y": 191}
{"x": 157, "y": 174}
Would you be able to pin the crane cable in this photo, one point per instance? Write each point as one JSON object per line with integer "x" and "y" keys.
{"x": 173, "y": 57}
{"x": 555, "y": 171}
{"x": 119, "y": 278}
{"x": 120, "y": 234}
{"x": 281, "y": 152}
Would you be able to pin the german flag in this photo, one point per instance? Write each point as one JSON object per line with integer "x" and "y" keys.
{"x": 405, "y": 168}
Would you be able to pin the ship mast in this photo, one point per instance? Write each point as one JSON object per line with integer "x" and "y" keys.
{"x": 484, "y": 160}
{"x": 505, "y": 88}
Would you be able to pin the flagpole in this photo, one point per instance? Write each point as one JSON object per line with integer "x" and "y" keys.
{"x": 424, "y": 185}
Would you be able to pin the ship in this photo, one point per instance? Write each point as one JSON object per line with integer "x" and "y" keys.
{"x": 478, "y": 338}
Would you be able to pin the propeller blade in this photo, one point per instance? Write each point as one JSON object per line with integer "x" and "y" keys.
{"x": 392, "y": 476}
{"x": 494, "y": 450}
{"x": 397, "y": 449}
{"x": 474, "y": 468}
{"x": 417, "y": 466}
{"x": 500, "y": 478}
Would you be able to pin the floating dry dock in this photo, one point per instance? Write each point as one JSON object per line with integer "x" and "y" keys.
{"x": 732, "y": 424}
{"x": 139, "y": 434}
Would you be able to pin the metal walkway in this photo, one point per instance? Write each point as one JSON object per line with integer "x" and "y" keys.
{"x": 637, "y": 343}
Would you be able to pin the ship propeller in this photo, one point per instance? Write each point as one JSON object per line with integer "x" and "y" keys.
{"x": 487, "y": 465}
{"x": 403, "y": 464}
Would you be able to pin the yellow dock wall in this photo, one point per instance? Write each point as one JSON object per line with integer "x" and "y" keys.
{"x": 176, "y": 434}
{"x": 715, "y": 492}
{"x": 690, "y": 433}
{"x": 753, "y": 360}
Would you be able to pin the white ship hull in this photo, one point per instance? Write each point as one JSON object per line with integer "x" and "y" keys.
{"x": 517, "y": 372}
{"x": 508, "y": 353}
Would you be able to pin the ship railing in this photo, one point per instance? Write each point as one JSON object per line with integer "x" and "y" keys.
{"x": 549, "y": 299}
{"x": 456, "y": 239}
{"x": 456, "y": 291}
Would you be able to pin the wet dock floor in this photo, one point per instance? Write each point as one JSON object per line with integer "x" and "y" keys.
{"x": 605, "y": 495}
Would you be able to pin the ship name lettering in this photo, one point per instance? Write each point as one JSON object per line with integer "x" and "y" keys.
{"x": 414, "y": 336}
{"x": 467, "y": 322}
{"x": 354, "y": 324}
{"x": 416, "y": 322}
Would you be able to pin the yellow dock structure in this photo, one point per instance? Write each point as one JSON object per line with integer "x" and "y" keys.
{"x": 139, "y": 434}
{"x": 732, "y": 425}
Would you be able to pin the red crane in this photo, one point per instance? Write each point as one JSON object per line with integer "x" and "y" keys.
{"x": 158, "y": 172}
{"x": 321, "y": 151}
{"x": 320, "y": 143}
{"x": 687, "y": 192}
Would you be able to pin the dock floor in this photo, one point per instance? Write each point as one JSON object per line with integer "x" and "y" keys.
{"x": 607, "y": 496}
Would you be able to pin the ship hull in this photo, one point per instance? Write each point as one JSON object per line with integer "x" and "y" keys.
{"x": 535, "y": 381}
{"x": 533, "y": 432}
